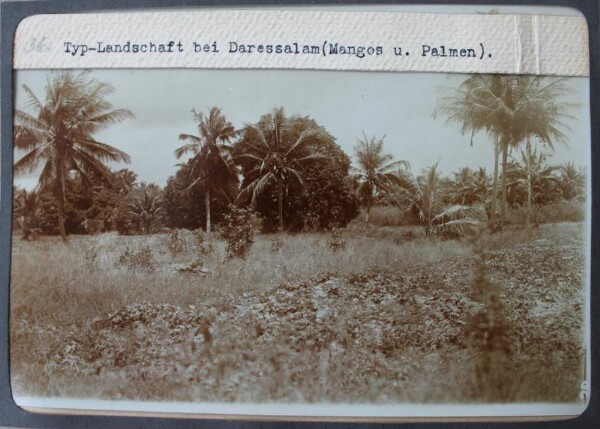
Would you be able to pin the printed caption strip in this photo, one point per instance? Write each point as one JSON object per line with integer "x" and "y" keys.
{"x": 325, "y": 40}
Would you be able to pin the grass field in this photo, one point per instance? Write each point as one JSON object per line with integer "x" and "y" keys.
{"x": 381, "y": 320}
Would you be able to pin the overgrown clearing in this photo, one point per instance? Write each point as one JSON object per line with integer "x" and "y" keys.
{"x": 380, "y": 320}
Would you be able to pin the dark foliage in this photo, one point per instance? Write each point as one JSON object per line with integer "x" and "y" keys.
{"x": 184, "y": 204}
{"x": 322, "y": 199}
{"x": 92, "y": 205}
{"x": 238, "y": 232}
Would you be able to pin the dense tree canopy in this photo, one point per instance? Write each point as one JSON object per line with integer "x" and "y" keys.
{"x": 294, "y": 174}
{"x": 184, "y": 200}
{"x": 287, "y": 169}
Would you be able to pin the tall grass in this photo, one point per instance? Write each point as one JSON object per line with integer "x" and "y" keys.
{"x": 560, "y": 211}
{"x": 87, "y": 274}
{"x": 66, "y": 286}
{"x": 387, "y": 216}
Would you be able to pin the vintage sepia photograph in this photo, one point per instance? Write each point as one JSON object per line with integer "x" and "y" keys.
{"x": 300, "y": 237}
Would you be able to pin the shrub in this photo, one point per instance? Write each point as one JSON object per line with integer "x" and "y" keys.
{"x": 335, "y": 241}
{"x": 175, "y": 243}
{"x": 91, "y": 255}
{"x": 238, "y": 232}
{"x": 143, "y": 259}
{"x": 203, "y": 247}
{"x": 276, "y": 243}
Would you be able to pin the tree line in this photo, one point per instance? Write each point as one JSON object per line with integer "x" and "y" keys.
{"x": 287, "y": 169}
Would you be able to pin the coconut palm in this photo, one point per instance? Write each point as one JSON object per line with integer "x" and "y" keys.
{"x": 275, "y": 152}
{"x": 57, "y": 134}
{"x": 146, "y": 206}
{"x": 539, "y": 114}
{"x": 212, "y": 162}
{"x": 427, "y": 197}
{"x": 26, "y": 212}
{"x": 513, "y": 109}
{"x": 375, "y": 173}
{"x": 125, "y": 181}
{"x": 469, "y": 187}
{"x": 532, "y": 180}
{"x": 475, "y": 106}
{"x": 571, "y": 181}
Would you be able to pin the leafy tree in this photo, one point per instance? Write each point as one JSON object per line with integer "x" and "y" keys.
{"x": 184, "y": 200}
{"x": 212, "y": 164}
{"x": 92, "y": 204}
{"x": 58, "y": 134}
{"x": 375, "y": 171}
{"x": 275, "y": 153}
{"x": 328, "y": 200}
{"x": 95, "y": 200}
{"x": 238, "y": 232}
{"x": 324, "y": 200}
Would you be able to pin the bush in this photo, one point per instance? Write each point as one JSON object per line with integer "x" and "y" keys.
{"x": 175, "y": 243}
{"x": 276, "y": 243}
{"x": 143, "y": 259}
{"x": 238, "y": 232}
{"x": 335, "y": 241}
{"x": 203, "y": 247}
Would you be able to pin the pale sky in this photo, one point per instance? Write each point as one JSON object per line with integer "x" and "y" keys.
{"x": 397, "y": 105}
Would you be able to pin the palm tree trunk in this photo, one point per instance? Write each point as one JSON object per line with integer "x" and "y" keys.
{"x": 495, "y": 182}
{"x": 280, "y": 205}
{"x": 504, "y": 174}
{"x": 367, "y": 215}
{"x": 59, "y": 195}
{"x": 207, "y": 209}
{"x": 529, "y": 190}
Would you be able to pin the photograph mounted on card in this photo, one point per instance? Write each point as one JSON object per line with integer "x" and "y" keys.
{"x": 318, "y": 212}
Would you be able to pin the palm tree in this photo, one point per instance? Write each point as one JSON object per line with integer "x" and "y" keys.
{"x": 58, "y": 133}
{"x": 276, "y": 151}
{"x": 427, "y": 196}
{"x": 26, "y": 211}
{"x": 212, "y": 161}
{"x": 146, "y": 206}
{"x": 474, "y": 106}
{"x": 469, "y": 187}
{"x": 540, "y": 114}
{"x": 375, "y": 173}
{"x": 513, "y": 108}
{"x": 125, "y": 181}
{"x": 533, "y": 178}
{"x": 571, "y": 181}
